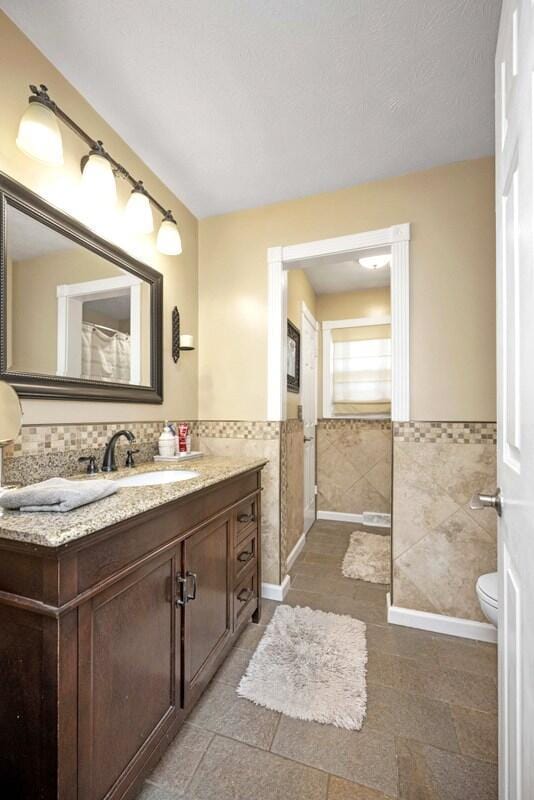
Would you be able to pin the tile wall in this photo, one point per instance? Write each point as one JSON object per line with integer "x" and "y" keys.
{"x": 354, "y": 466}
{"x": 291, "y": 487}
{"x": 441, "y": 546}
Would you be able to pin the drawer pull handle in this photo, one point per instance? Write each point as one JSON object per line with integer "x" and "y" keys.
{"x": 181, "y": 595}
{"x": 246, "y": 518}
{"x": 244, "y": 595}
{"x": 192, "y": 595}
{"x": 245, "y": 556}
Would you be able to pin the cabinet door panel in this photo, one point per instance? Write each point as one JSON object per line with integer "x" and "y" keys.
{"x": 128, "y": 672}
{"x": 207, "y": 616}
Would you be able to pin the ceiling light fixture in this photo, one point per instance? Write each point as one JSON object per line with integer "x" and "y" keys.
{"x": 39, "y": 136}
{"x": 374, "y": 262}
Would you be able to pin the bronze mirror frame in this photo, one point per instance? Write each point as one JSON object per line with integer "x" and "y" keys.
{"x": 29, "y": 384}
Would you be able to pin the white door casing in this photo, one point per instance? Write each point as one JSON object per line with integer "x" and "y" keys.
{"x": 515, "y": 415}
{"x": 280, "y": 259}
{"x": 308, "y": 388}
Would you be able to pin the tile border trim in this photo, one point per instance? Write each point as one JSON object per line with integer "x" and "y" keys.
{"x": 446, "y": 432}
{"x": 354, "y": 424}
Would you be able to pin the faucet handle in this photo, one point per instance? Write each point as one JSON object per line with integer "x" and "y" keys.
{"x": 92, "y": 469}
{"x": 129, "y": 458}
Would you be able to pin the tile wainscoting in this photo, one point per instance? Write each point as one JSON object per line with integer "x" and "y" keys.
{"x": 291, "y": 488}
{"x": 354, "y": 465}
{"x": 255, "y": 439}
{"x": 441, "y": 546}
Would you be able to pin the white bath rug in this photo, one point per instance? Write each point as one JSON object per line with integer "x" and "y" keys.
{"x": 310, "y": 665}
{"x": 368, "y": 557}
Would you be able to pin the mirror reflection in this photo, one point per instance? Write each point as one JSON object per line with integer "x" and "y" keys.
{"x": 71, "y": 312}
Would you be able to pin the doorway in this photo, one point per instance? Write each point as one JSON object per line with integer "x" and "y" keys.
{"x": 314, "y": 405}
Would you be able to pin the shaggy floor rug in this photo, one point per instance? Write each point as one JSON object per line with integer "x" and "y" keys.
{"x": 310, "y": 665}
{"x": 368, "y": 557}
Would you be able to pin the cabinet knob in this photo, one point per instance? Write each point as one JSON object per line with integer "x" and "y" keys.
{"x": 244, "y": 595}
{"x": 245, "y": 556}
{"x": 246, "y": 518}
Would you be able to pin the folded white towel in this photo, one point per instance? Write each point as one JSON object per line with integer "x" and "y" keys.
{"x": 56, "y": 494}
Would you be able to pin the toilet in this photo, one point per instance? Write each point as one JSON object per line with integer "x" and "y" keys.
{"x": 488, "y": 596}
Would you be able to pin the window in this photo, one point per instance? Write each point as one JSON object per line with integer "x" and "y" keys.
{"x": 357, "y": 368}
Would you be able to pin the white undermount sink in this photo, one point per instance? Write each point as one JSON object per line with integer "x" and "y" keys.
{"x": 155, "y": 478}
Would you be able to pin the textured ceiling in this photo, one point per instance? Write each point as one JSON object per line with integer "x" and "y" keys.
{"x": 235, "y": 104}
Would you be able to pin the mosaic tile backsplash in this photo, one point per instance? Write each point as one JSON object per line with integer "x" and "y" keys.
{"x": 44, "y": 451}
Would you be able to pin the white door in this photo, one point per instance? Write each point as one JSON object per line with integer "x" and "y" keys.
{"x": 515, "y": 415}
{"x": 309, "y": 409}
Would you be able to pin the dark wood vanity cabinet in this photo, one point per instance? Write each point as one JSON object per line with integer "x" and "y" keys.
{"x": 107, "y": 643}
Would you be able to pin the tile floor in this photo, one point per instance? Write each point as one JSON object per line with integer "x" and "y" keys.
{"x": 430, "y": 731}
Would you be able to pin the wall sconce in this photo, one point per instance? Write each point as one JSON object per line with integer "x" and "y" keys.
{"x": 180, "y": 342}
{"x": 39, "y": 136}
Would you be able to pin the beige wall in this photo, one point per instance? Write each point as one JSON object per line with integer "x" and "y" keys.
{"x": 452, "y": 336}
{"x": 35, "y": 281}
{"x": 299, "y": 290}
{"x": 20, "y": 64}
{"x": 353, "y": 305}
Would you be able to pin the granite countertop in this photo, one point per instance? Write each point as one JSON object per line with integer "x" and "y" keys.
{"x": 51, "y": 529}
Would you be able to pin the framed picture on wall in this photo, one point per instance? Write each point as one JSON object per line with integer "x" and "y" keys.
{"x": 293, "y": 358}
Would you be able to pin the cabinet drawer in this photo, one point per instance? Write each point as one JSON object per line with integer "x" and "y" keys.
{"x": 245, "y": 554}
{"x": 245, "y": 596}
{"x": 246, "y": 519}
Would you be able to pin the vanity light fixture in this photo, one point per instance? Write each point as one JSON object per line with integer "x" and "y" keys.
{"x": 169, "y": 241}
{"x": 99, "y": 190}
{"x": 138, "y": 214}
{"x": 39, "y": 136}
{"x": 374, "y": 262}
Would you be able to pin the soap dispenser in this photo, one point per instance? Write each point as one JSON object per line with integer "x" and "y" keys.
{"x": 167, "y": 442}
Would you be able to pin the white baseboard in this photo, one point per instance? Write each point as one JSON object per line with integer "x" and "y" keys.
{"x": 294, "y": 554}
{"x": 340, "y": 516}
{"x": 439, "y": 623}
{"x": 276, "y": 591}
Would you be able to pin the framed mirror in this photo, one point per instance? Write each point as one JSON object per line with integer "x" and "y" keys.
{"x": 80, "y": 319}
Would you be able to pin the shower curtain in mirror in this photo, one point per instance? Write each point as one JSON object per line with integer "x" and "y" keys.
{"x": 105, "y": 355}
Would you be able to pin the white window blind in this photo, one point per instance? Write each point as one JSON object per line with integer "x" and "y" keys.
{"x": 362, "y": 371}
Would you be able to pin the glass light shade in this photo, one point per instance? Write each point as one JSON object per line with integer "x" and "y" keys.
{"x": 98, "y": 184}
{"x": 39, "y": 135}
{"x": 138, "y": 213}
{"x": 168, "y": 241}
{"x": 375, "y": 262}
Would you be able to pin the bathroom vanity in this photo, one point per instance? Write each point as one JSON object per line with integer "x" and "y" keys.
{"x": 114, "y": 618}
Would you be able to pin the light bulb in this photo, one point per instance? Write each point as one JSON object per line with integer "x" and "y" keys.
{"x": 168, "y": 241}
{"x": 39, "y": 135}
{"x": 138, "y": 213}
{"x": 374, "y": 262}
{"x": 98, "y": 185}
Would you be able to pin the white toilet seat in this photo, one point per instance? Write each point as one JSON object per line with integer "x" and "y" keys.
{"x": 488, "y": 589}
